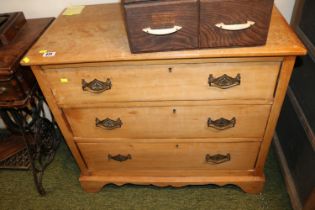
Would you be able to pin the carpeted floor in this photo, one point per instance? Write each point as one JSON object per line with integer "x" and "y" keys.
{"x": 64, "y": 192}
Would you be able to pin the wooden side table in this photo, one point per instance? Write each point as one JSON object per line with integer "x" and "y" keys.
{"x": 32, "y": 140}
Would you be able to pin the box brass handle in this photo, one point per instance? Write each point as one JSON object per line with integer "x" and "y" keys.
{"x": 96, "y": 86}
{"x": 119, "y": 157}
{"x": 108, "y": 124}
{"x": 224, "y": 81}
{"x": 235, "y": 27}
{"x": 218, "y": 158}
{"x": 222, "y": 123}
{"x": 162, "y": 31}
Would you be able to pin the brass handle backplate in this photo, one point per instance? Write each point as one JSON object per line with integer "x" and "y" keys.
{"x": 224, "y": 81}
{"x": 96, "y": 86}
{"x": 119, "y": 157}
{"x": 222, "y": 123}
{"x": 218, "y": 158}
{"x": 108, "y": 124}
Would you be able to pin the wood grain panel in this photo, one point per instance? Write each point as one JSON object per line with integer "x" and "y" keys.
{"x": 162, "y": 15}
{"x": 163, "y": 156}
{"x": 213, "y": 12}
{"x": 163, "y": 122}
{"x": 164, "y": 82}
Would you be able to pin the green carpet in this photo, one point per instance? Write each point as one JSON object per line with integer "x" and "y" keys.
{"x": 17, "y": 191}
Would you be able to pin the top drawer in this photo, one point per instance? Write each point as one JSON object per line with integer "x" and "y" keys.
{"x": 137, "y": 83}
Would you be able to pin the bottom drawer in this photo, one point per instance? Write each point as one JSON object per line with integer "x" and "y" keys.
{"x": 159, "y": 156}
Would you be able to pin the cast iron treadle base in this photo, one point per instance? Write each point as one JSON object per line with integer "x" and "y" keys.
{"x": 20, "y": 160}
{"x": 40, "y": 138}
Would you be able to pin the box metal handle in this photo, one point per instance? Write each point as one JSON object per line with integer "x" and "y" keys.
{"x": 235, "y": 27}
{"x": 162, "y": 31}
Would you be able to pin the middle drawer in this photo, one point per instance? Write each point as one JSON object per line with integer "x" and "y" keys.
{"x": 170, "y": 122}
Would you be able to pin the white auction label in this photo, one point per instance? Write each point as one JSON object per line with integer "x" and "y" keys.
{"x": 49, "y": 54}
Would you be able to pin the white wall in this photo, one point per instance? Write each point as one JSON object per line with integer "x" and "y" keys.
{"x": 286, "y": 7}
{"x": 51, "y": 8}
{"x": 44, "y": 8}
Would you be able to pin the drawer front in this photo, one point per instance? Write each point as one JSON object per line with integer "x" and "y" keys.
{"x": 225, "y": 23}
{"x": 162, "y": 25}
{"x": 170, "y": 122}
{"x": 172, "y": 156}
{"x": 136, "y": 83}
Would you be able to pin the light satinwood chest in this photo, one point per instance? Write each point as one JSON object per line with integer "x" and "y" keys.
{"x": 167, "y": 118}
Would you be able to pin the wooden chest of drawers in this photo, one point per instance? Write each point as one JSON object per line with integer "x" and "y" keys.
{"x": 171, "y": 118}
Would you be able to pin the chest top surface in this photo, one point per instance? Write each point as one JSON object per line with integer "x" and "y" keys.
{"x": 98, "y": 35}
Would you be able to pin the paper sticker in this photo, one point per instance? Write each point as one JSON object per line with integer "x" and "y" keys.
{"x": 43, "y": 51}
{"x": 73, "y": 10}
{"x": 64, "y": 80}
{"x": 26, "y": 60}
{"x": 49, "y": 54}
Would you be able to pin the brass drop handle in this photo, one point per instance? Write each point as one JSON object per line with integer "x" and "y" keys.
{"x": 108, "y": 123}
{"x": 119, "y": 157}
{"x": 218, "y": 158}
{"x": 96, "y": 86}
{"x": 222, "y": 123}
{"x": 224, "y": 81}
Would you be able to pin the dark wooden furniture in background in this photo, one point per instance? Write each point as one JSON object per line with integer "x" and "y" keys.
{"x": 295, "y": 141}
{"x": 10, "y": 25}
{"x": 30, "y": 136}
